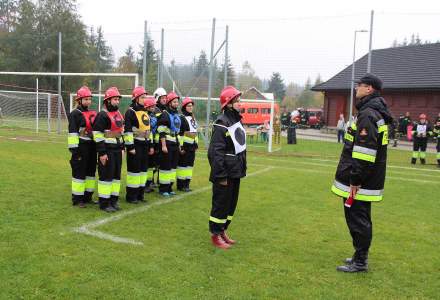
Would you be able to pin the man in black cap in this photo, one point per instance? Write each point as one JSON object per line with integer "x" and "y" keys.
{"x": 360, "y": 175}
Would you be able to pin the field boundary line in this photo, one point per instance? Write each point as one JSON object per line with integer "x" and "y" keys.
{"x": 89, "y": 228}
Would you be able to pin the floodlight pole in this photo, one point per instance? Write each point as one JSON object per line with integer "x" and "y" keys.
{"x": 144, "y": 61}
{"x": 352, "y": 77}
{"x": 225, "y": 79}
{"x": 208, "y": 106}
{"x": 371, "y": 42}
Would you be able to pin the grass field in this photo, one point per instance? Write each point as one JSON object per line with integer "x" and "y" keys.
{"x": 291, "y": 232}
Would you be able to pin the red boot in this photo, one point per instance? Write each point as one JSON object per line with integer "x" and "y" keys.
{"x": 226, "y": 238}
{"x": 218, "y": 242}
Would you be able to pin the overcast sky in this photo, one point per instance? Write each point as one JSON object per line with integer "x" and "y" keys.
{"x": 296, "y": 38}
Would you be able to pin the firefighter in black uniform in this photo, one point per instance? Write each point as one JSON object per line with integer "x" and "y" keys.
{"x": 150, "y": 107}
{"x": 137, "y": 142}
{"x": 189, "y": 143}
{"x": 168, "y": 128}
{"x": 421, "y": 131}
{"x": 437, "y": 136}
{"x": 360, "y": 175}
{"x": 83, "y": 148}
{"x": 108, "y": 129}
{"x": 161, "y": 98}
{"x": 227, "y": 158}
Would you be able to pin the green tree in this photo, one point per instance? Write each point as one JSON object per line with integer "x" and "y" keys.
{"x": 277, "y": 86}
{"x": 247, "y": 78}
{"x": 151, "y": 64}
{"x": 8, "y": 15}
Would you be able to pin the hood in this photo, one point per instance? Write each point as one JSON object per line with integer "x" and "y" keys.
{"x": 376, "y": 102}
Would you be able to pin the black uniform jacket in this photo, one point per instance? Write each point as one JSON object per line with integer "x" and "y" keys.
{"x": 221, "y": 153}
{"x": 363, "y": 159}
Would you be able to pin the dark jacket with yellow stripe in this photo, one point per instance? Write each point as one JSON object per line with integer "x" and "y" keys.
{"x": 221, "y": 153}
{"x": 363, "y": 158}
{"x": 188, "y": 140}
{"x": 137, "y": 127}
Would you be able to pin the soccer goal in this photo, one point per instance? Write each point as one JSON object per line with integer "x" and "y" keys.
{"x": 31, "y": 110}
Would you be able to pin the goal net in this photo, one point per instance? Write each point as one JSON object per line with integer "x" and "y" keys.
{"x": 32, "y": 110}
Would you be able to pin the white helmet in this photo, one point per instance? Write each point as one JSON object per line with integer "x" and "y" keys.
{"x": 159, "y": 92}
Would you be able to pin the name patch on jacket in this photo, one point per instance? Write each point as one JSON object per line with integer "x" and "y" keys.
{"x": 89, "y": 116}
{"x": 117, "y": 121}
{"x": 192, "y": 123}
{"x": 143, "y": 120}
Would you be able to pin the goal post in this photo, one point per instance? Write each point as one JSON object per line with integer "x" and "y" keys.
{"x": 59, "y": 102}
{"x": 29, "y": 110}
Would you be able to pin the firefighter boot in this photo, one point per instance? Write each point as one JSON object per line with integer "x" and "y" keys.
{"x": 104, "y": 204}
{"x": 423, "y": 161}
{"x": 114, "y": 203}
{"x": 353, "y": 267}
{"x": 226, "y": 238}
{"x": 413, "y": 160}
{"x": 349, "y": 261}
{"x": 218, "y": 242}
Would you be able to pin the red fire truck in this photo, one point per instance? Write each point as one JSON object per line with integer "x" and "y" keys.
{"x": 256, "y": 113}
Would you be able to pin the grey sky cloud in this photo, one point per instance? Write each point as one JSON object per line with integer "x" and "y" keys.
{"x": 296, "y": 38}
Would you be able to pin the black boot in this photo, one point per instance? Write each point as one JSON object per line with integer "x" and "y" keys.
{"x": 423, "y": 161}
{"x": 114, "y": 203}
{"x": 88, "y": 198}
{"x": 353, "y": 268}
{"x": 413, "y": 160}
{"x": 104, "y": 204}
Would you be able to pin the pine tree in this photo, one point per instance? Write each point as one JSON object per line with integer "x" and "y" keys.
{"x": 277, "y": 86}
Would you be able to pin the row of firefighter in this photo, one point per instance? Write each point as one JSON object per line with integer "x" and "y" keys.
{"x": 160, "y": 145}
{"x": 420, "y": 132}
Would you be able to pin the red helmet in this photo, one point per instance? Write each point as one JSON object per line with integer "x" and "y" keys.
{"x": 137, "y": 92}
{"x": 186, "y": 101}
{"x": 83, "y": 92}
{"x": 228, "y": 94}
{"x": 422, "y": 116}
{"x": 171, "y": 96}
{"x": 111, "y": 92}
{"x": 150, "y": 101}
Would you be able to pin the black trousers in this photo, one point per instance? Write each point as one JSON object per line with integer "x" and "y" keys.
{"x": 137, "y": 166}
{"x": 340, "y": 135}
{"x": 420, "y": 144}
{"x": 109, "y": 184}
{"x": 185, "y": 169}
{"x": 83, "y": 165}
{"x": 224, "y": 203}
{"x": 358, "y": 218}
{"x": 152, "y": 165}
{"x": 167, "y": 167}
{"x": 291, "y": 135}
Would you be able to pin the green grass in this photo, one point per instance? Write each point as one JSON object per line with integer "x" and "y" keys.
{"x": 291, "y": 232}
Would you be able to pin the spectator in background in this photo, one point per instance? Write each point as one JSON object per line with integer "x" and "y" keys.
{"x": 285, "y": 118}
{"x": 341, "y": 128}
{"x": 265, "y": 130}
{"x": 277, "y": 130}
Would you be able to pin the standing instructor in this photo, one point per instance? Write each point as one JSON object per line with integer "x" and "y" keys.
{"x": 361, "y": 171}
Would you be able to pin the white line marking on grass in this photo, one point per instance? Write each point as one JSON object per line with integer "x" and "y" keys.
{"x": 324, "y": 172}
{"x": 88, "y": 228}
{"x": 334, "y": 164}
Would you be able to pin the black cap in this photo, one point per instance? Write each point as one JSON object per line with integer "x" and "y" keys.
{"x": 372, "y": 80}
